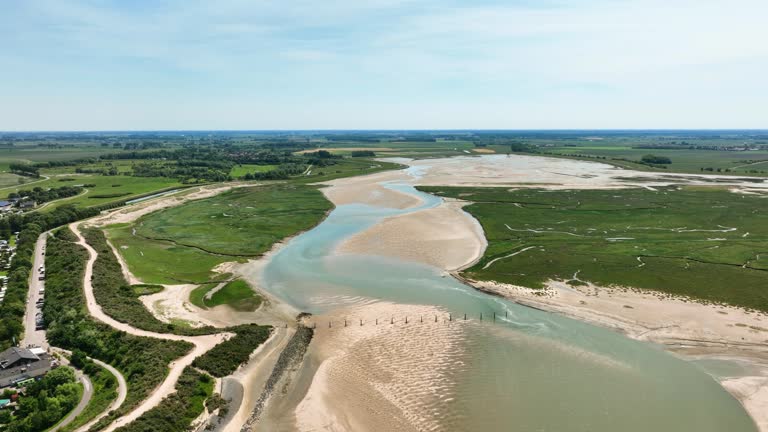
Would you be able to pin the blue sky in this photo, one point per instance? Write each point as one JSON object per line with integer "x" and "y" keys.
{"x": 382, "y": 64}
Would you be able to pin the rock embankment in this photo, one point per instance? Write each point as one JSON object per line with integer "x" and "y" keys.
{"x": 289, "y": 361}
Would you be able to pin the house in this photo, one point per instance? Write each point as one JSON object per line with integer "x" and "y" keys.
{"x": 5, "y": 205}
{"x": 21, "y": 364}
{"x": 27, "y": 204}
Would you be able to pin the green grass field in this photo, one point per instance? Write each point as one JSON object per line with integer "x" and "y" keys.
{"x": 706, "y": 243}
{"x": 159, "y": 262}
{"x": 243, "y": 221}
{"x": 184, "y": 243}
{"x": 237, "y": 294}
{"x": 241, "y": 170}
{"x": 30, "y": 153}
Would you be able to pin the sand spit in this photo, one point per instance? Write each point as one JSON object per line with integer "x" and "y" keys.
{"x": 347, "y": 149}
{"x": 253, "y": 377}
{"x": 380, "y": 377}
{"x": 368, "y": 190}
{"x": 685, "y": 327}
{"x": 445, "y": 237}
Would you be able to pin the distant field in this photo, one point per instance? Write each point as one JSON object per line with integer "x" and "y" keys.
{"x": 345, "y": 168}
{"x": 241, "y": 170}
{"x": 413, "y": 149}
{"x": 185, "y": 243}
{"x": 107, "y": 189}
{"x": 706, "y": 243}
{"x": 10, "y": 180}
{"x": 45, "y": 154}
{"x": 682, "y": 160}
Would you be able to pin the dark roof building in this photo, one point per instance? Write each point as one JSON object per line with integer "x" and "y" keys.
{"x": 19, "y": 364}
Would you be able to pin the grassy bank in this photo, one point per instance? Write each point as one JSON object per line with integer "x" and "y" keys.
{"x": 143, "y": 361}
{"x": 705, "y": 243}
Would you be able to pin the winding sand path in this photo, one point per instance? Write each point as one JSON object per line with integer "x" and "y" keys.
{"x": 201, "y": 343}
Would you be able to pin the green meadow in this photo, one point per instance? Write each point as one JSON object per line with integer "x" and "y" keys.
{"x": 237, "y": 294}
{"x": 185, "y": 243}
{"x": 243, "y": 169}
{"x": 705, "y": 243}
{"x": 241, "y": 222}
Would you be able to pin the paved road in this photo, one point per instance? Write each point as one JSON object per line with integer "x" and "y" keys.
{"x": 87, "y": 395}
{"x": 38, "y": 338}
{"x": 32, "y": 336}
{"x": 122, "y": 392}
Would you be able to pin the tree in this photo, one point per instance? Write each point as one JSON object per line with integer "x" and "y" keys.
{"x": 655, "y": 160}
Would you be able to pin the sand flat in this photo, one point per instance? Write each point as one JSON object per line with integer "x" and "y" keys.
{"x": 445, "y": 237}
{"x": 383, "y": 377}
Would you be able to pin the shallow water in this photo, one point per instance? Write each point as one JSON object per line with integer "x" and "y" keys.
{"x": 526, "y": 371}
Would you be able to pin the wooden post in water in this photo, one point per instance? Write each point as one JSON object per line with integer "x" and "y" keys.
{"x": 329, "y": 324}
{"x": 435, "y": 318}
{"x": 345, "y": 322}
{"x": 377, "y": 321}
{"x": 465, "y": 317}
{"x": 505, "y": 313}
{"x": 481, "y": 316}
{"x": 450, "y": 318}
{"x": 361, "y": 323}
{"x": 494, "y": 317}
{"x": 392, "y": 320}
{"x": 406, "y": 319}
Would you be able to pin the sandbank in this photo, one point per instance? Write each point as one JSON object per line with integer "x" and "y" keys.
{"x": 379, "y": 377}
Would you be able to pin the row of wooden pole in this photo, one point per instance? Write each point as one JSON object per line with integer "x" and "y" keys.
{"x": 421, "y": 319}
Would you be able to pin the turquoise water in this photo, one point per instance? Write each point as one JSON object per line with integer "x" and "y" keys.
{"x": 527, "y": 371}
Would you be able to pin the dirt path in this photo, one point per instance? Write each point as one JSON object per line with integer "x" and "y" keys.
{"x": 201, "y": 343}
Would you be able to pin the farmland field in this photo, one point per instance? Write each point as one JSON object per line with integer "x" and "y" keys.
{"x": 241, "y": 170}
{"x": 107, "y": 188}
{"x": 706, "y": 243}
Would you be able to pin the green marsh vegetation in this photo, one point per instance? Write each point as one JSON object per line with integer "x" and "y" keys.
{"x": 237, "y": 294}
{"x": 183, "y": 244}
{"x": 240, "y": 222}
{"x": 705, "y": 243}
{"x": 118, "y": 298}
